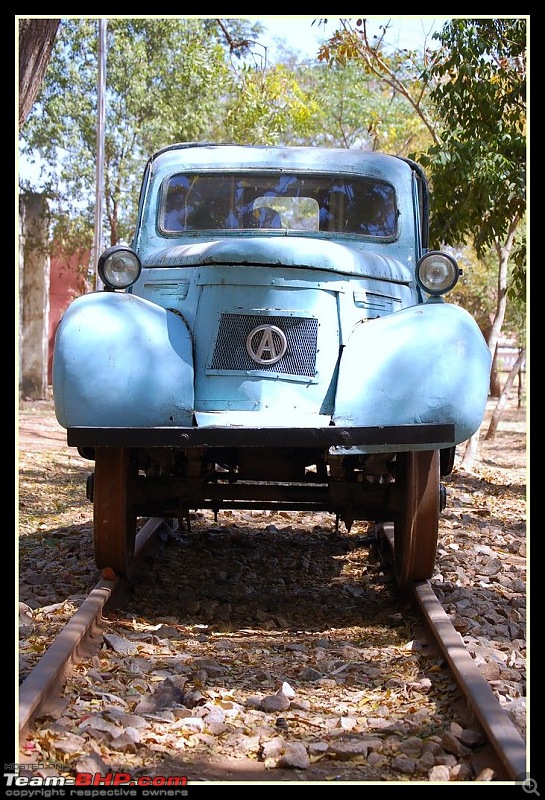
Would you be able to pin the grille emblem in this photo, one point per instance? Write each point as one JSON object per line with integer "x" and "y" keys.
{"x": 266, "y": 344}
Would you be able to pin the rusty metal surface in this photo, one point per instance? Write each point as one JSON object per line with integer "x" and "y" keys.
{"x": 44, "y": 678}
{"x": 53, "y": 666}
{"x": 222, "y": 436}
{"x": 501, "y": 732}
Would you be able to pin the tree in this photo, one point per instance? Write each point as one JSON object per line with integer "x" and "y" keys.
{"x": 400, "y": 71}
{"x": 36, "y": 40}
{"x": 167, "y": 80}
{"x": 469, "y": 93}
{"x": 473, "y": 292}
{"x": 354, "y": 110}
{"x": 513, "y": 372}
{"x": 478, "y": 167}
{"x": 267, "y": 105}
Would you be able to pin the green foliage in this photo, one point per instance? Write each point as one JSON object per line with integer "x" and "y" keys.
{"x": 267, "y": 106}
{"x": 396, "y": 74}
{"x": 478, "y": 168}
{"x": 476, "y": 291}
{"x": 357, "y": 111}
{"x": 166, "y": 81}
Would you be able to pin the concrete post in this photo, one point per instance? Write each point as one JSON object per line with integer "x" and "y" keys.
{"x": 34, "y": 270}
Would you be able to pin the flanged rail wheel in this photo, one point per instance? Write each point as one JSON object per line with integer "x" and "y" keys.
{"x": 416, "y": 520}
{"x": 114, "y": 517}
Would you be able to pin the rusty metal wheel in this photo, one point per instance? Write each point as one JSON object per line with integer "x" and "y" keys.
{"x": 114, "y": 517}
{"x": 417, "y": 517}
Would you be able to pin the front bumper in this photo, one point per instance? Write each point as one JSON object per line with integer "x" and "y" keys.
{"x": 339, "y": 440}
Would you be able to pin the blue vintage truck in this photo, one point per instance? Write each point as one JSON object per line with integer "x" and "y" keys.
{"x": 275, "y": 337}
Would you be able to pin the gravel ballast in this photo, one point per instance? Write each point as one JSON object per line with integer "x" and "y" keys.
{"x": 267, "y": 646}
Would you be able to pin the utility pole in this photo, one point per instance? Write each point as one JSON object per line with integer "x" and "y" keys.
{"x": 99, "y": 198}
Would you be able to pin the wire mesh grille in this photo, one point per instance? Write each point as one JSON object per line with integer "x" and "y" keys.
{"x": 301, "y": 334}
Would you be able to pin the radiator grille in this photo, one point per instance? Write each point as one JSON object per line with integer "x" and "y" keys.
{"x": 299, "y": 359}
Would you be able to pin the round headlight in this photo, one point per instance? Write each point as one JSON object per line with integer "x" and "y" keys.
{"x": 437, "y": 272}
{"x": 119, "y": 267}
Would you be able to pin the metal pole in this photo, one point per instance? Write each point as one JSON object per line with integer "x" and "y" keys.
{"x": 99, "y": 199}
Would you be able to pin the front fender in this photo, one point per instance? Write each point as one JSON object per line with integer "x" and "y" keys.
{"x": 119, "y": 361}
{"x": 424, "y": 364}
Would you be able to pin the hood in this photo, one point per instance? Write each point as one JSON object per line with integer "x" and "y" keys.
{"x": 289, "y": 251}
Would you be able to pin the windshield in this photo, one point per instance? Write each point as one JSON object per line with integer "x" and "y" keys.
{"x": 192, "y": 202}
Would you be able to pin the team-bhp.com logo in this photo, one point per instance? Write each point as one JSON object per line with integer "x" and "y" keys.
{"x": 25, "y": 786}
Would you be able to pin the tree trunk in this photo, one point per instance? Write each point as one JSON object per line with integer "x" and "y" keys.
{"x": 503, "y": 252}
{"x": 495, "y": 383}
{"x": 36, "y": 40}
{"x": 472, "y": 447}
{"x": 494, "y": 421}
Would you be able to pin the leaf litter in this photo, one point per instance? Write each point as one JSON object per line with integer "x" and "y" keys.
{"x": 266, "y": 646}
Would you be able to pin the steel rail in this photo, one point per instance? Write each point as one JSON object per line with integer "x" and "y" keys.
{"x": 52, "y": 666}
{"x": 502, "y": 734}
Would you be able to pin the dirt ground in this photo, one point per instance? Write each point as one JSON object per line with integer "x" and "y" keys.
{"x": 51, "y": 480}
{"x": 38, "y": 427}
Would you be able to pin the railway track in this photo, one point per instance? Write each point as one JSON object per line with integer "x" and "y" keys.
{"x": 504, "y": 740}
{"x": 46, "y": 678}
{"x": 504, "y": 737}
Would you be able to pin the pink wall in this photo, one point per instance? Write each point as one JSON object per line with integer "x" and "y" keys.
{"x": 68, "y": 279}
